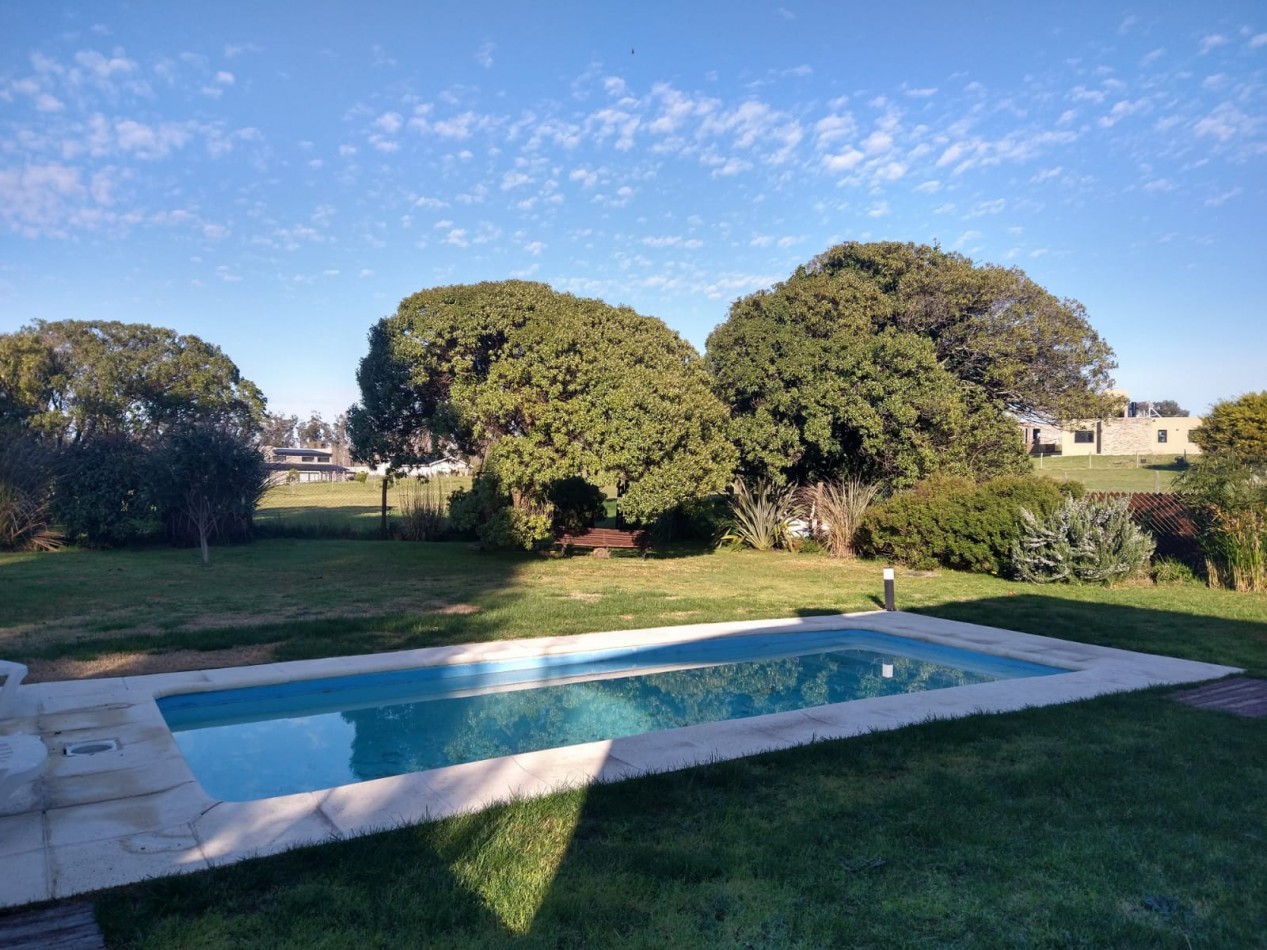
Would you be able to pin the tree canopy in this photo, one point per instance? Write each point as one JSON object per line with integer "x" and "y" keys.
{"x": 1032, "y": 353}
{"x": 541, "y": 386}
{"x": 76, "y": 379}
{"x": 894, "y": 362}
{"x": 1237, "y": 427}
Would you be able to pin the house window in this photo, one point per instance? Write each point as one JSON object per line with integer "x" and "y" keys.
{"x": 1161, "y": 435}
{"x": 1038, "y": 436}
{"x": 1084, "y": 435}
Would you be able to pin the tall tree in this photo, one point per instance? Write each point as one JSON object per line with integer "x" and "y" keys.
{"x": 541, "y": 386}
{"x": 817, "y": 394}
{"x": 278, "y": 430}
{"x": 1032, "y": 353}
{"x": 77, "y": 379}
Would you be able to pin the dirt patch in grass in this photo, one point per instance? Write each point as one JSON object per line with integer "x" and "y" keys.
{"x": 140, "y": 664}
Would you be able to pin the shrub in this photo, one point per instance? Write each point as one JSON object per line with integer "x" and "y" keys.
{"x": 361, "y": 477}
{"x": 488, "y": 512}
{"x": 835, "y": 510}
{"x": 577, "y": 504}
{"x": 957, "y": 523}
{"x": 1169, "y": 571}
{"x": 760, "y": 517}
{"x": 103, "y": 494}
{"x": 1085, "y": 540}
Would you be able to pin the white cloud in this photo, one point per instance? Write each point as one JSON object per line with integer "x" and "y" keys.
{"x": 1212, "y": 42}
{"x": 225, "y": 78}
{"x": 389, "y": 122}
{"x": 878, "y": 210}
{"x": 514, "y": 179}
{"x": 148, "y": 141}
{"x": 534, "y": 247}
{"x": 484, "y": 55}
{"x": 1259, "y": 39}
{"x": 844, "y": 161}
{"x": 1122, "y": 110}
{"x": 1224, "y": 123}
{"x": 457, "y": 237}
{"x": 929, "y": 187}
{"x": 1221, "y": 199}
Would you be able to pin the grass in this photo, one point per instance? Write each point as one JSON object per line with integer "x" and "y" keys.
{"x": 1125, "y": 821}
{"x": 1121, "y": 473}
{"x": 350, "y": 508}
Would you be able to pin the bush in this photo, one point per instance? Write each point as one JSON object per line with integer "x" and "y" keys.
{"x": 487, "y": 512}
{"x": 361, "y": 477}
{"x": 1084, "y": 540}
{"x": 760, "y": 517}
{"x": 577, "y": 504}
{"x": 956, "y": 523}
{"x": 103, "y": 494}
{"x": 1169, "y": 571}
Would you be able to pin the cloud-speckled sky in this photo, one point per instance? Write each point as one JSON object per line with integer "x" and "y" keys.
{"x": 275, "y": 177}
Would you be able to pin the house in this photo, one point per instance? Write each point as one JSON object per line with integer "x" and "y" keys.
{"x": 310, "y": 465}
{"x": 448, "y": 465}
{"x": 1128, "y": 434}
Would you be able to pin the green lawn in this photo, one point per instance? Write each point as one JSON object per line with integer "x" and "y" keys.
{"x": 1123, "y": 821}
{"x": 1125, "y": 473}
{"x": 351, "y": 507}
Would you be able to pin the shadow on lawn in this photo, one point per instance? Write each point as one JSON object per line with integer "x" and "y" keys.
{"x": 1171, "y": 633}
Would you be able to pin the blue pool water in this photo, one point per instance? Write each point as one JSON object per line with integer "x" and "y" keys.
{"x": 262, "y": 741}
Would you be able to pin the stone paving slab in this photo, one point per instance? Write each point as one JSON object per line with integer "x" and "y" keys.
{"x": 117, "y": 817}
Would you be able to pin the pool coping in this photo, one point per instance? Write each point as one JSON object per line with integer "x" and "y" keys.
{"x": 95, "y": 821}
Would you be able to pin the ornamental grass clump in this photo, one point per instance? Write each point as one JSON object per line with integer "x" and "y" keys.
{"x": 835, "y": 511}
{"x": 1084, "y": 541}
{"x": 761, "y": 516}
{"x": 423, "y": 513}
{"x": 1229, "y": 496}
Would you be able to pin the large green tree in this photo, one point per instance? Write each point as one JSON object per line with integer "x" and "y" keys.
{"x": 896, "y": 361}
{"x": 1237, "y": 427}
{"x": 74, "y": 380}
{"x": 539, "y": 386}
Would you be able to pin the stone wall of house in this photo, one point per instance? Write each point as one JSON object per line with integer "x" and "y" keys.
{"x": 1139, "y": 436}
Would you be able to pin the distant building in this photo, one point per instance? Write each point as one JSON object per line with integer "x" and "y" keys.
{"x": 310, "y": 465}
{"x": 1128, "y": 434}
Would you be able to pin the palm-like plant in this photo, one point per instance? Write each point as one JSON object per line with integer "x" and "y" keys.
{"x": 760, "y": 516}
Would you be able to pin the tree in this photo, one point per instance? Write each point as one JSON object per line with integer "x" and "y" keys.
{"x": 539, "y": 386}
{"x": 206, "y": 486}
{"x": 818, "y": 393}
{"x": 1167, "y": 408}
{"x": 1032, "y": 354}
{"x": 279, "y": 430}
{"x": 1238, "y": 427}
{"x": 74, "y": 379}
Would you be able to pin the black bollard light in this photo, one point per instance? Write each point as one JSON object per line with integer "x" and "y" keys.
{"x": 888, "y": 589}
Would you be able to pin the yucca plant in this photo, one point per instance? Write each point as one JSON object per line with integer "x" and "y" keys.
{"x": 761, "y": 516}
{"x": 835, "y": 511}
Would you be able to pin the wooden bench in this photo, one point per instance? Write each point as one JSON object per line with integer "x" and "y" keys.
{"x": 606, "y": 538}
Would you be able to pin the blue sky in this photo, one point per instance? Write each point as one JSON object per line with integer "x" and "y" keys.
{"x": 276, "y": 177}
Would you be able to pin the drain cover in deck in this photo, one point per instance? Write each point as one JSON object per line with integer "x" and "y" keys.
{"x": 1240, "y": 695}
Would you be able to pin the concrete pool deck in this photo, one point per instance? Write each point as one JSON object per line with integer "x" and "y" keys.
{"x": 115, "y": 817}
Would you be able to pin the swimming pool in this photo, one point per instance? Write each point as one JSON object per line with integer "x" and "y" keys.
{"x": 278, "y": 739}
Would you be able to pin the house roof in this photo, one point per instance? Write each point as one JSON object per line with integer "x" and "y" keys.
{"x": 296, "y": 450}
